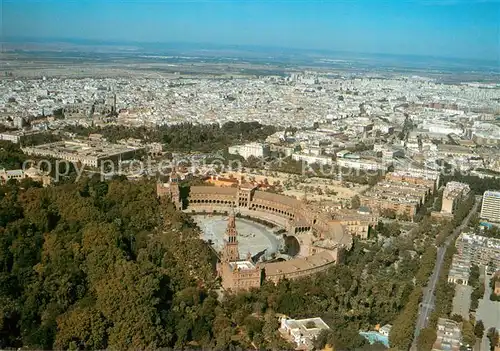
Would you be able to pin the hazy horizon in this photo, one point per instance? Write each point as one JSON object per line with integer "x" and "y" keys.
{"x": 467, "y": 30}
{"x": 176, "y": 48}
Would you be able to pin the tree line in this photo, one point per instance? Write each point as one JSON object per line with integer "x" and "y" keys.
{"x": 445, "y": 291}
{"x": 185, "y": 137}
{"x": 401, "y": 335}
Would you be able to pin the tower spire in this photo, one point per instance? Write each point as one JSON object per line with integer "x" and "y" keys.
{"x": 231, "y": 226}
{"x": 173, "y": 185}
{"x": 231, "y": 252}
{"x": 174, "y": 176}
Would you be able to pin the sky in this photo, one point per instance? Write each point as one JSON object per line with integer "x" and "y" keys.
{"x": 441, "y": 28}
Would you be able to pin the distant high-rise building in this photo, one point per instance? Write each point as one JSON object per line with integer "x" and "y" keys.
{"x": 490, "y": 209}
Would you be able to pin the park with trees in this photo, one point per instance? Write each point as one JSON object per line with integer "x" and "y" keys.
{"x": 104, "y": 264}
{"x": 93, "y": 264}
{"x": 184, "y": 137}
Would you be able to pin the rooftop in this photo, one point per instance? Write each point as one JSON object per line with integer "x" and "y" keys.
{"x": 282, "y": 199}
{"x": 299, "y": 264}
{"x": 200, "y": 189}
{"x": 307, "y": 326}
{"x": 82, "y": 148}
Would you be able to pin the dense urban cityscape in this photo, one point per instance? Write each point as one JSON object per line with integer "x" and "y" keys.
{"x": 235, "y": 199}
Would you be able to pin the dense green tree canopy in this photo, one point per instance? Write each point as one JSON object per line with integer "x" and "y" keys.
{"x": 97, "y": 265}
{"x": 185, "y": 137}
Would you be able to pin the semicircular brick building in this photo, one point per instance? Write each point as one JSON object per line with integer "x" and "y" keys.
{"x": 322, "y": 239}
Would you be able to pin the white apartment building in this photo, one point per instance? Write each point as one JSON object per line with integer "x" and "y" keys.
{"x": 490, "y": 209}
{"x": 252, "y": 149}
{"x": 311, "y": 159}
{"x": 369, "y": 165}
{"x": 449, "y": 335}
{"x": 12, "y": 137}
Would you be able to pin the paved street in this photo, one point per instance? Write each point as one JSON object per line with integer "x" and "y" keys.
{"x": 428, "y": 300}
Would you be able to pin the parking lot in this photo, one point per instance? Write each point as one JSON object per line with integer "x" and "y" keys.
{"x": 462, "y": 300}
{"x": 488, "y": 312}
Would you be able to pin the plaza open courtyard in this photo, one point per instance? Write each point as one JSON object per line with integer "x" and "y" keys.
{"x": 252, "y": 237}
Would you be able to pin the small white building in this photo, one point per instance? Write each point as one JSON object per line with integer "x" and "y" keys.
{"x": 16, "y": 174}
{"x": 385, "y": 330}
{"x": 343, "y": 153}
{"x": 19, "y": 174}
{"x": 302, "y": 331}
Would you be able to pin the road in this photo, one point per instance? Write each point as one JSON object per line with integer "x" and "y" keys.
{"x": 427, "y": 305}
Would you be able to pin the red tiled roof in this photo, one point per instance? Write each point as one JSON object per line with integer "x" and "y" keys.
{"x": 209, "y": 190}
{"x": 286, "y": 200}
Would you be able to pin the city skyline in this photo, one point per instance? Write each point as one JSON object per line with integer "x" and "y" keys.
{"x": 454, "y": 29}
